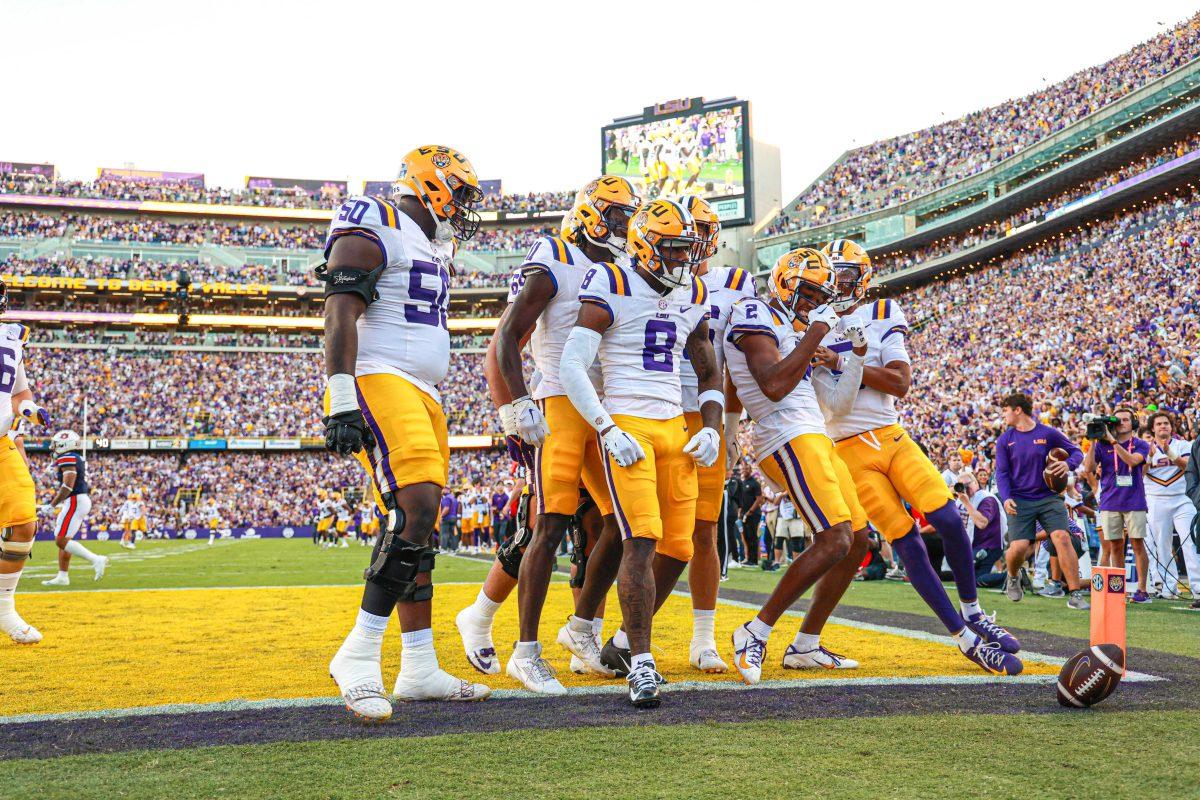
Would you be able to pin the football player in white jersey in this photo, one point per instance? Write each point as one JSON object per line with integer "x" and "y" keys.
{"x": 889, "y": 468}
{"x": 770, "y": 356}
{"x": 1171, "y": 511}
{"x": 387, "y": 346}
{"x": 640, "y": 320}
{"x": 725, "y": 286}
{"x": 18, "y": 503}
{"x": 544, "y": 303}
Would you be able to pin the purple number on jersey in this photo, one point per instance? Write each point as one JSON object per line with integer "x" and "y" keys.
{"x": 654, "y": 350}
{"x": 8, "y": 369}
{"x": 436, "y": 298}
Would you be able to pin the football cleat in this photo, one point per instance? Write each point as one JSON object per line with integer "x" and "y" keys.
{"x": 985, "y": 628}
{"x": 578, "y": 667}
{"x": 994, "y": 660}
{"x": 19, "y": 630}
{"x": 535, "y": 674}
{"x": 615, "y": 658}
{"x": 643, "y": 686}
{"x": 477, "y": 642}
{"x": 100, "y": 565}
{"x": 58, "y": 580}
{"x": 583, "y": 646}
{"x": 129, "y": 545}
{"x": 438, "y": 685}
{"x": 704, "y": 657}
{"x": 817, "y": 658}
{"x": 356, "y": 671}
{"x": 748, "y": 654}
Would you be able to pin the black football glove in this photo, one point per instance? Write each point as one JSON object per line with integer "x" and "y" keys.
{"x": 347, "y": 433}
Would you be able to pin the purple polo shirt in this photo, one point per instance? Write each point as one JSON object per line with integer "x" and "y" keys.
{"x": 1114, "y": 471}
{"x": 449, "y": 507}
{"x": 988, "y": 537}
{"x": 499, "y": 501}
{"x": 1021, "y": 457}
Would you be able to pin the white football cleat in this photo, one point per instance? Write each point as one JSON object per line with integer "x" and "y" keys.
{"x": 58, "y": 580}
{"x": 438, "y": 685}
{"x": 356, "y": 671}
{"x": 577, "y": 666}
{"x": 477, "y": 642}
{"x": 818, "y": 658}
{"x": 99, "y": 566}
{"x": 535, "y": 674}
{"x": 748, "y": 654}
{"x": 584, "y": 647}
{"x": 129, "y": 545}
{"x": 704, "y": 657}
{"x": 20, "y": 630}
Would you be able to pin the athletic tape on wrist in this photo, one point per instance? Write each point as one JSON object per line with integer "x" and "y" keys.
{"x": 712, "y": 396}
{"x": 343, "y": 396}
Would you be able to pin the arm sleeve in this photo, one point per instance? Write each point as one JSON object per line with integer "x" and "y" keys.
{"x": 989, "y": 508}
{"x": 837, "y": 394}
{"x": 21, "y": 382}
{"x": 1003, "y": 479}
{"x": 578, "y": 354}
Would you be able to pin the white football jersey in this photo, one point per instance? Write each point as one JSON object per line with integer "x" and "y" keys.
{"x": 565, "y": 265}
{"x": 342, "y": 509}
{"x": 726, "y": 285}
{"x": 641, "y": 352}
{"x": 1162, "y": 478}
{"x": 130, "y": 511}
{"x": 12, "y": 369}
{"x": 404, "y": 332}
{"x": 886, "y": 330}
{"x": 325, "y": 508}
{"x": 775, "y": 423}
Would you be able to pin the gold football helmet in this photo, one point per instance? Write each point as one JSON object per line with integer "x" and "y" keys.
{"x": 445, "y": 182}
{"x": 601, "y": 214}
{"x": 664, "y": 241}
{"x": 852, "y": 268}
{"x": 802, "y": 280}
{"x": 707, "y": 222}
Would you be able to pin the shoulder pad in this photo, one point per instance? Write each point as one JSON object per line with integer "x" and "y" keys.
{"x": 739, "y": 280}
{"x": 699, "y": 292}
{"x": 15, "y": 331}
{"x": 549, "y": 250}
{"x": 885, "y": 311}
{"x": 608, "y": 278}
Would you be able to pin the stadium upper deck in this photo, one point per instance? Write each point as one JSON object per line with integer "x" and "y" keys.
{"x": 886, "y": 190}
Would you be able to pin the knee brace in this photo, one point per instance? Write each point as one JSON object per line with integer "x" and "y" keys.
{"x": 11, "y": 550}
{"x": 512, "y": 551}
{"x": 579, "y": 540}
{"x": 397, "y": 562}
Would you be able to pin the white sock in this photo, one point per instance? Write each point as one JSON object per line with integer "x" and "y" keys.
{"x": 417, "y": 655}
{"x": 640, "y": 659}
{"x": 620, "y": 639}
{"x": 704, "y": 622}
{"x": 485, "y": 607}
{"x": 970, "y": 610}
{"x": 806, "y": 642}
{"x": 76, "y": 549}
{"x": 527, "y": 649}
{"x": 966, "y": 639}
{"x": 759, "y": 628}
{"x": 598, "y": 627}
{"x": 370, "y": 625}
{"x": 580, "y": 625}
{"x": 62, "y": 574}
{"x": 8, "y": 588}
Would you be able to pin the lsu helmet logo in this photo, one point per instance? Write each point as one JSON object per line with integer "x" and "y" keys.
{"x": 1116, "y": 584}
{"x": 441, "y": 160}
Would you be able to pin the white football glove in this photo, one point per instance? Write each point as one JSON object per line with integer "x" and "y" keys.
{"x": 531, "y": 424}
{"x": 624, "y": 449}
{"x": 704, "y": 447}
{"x": 824, "y": 314}
{"x": 508, "y": 419}
{"x": 856, "y": 334}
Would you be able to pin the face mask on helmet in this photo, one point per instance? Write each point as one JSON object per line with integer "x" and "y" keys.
{"x": 678, "y": 257}
{"x": 465, "y": 219}
{"x": 805, "y": 297}
{"x": 847, "y": 276}
{"x": 616, "y": 220}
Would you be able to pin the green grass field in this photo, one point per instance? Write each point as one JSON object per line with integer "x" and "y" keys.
{"x": 724, "y": 172}
{"x": 930, "y": 755}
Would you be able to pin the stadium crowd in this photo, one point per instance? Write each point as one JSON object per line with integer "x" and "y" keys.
{"x": 237, "y": 482}
{"x": 894, "y": 170}
{"x": 182, "y": 191}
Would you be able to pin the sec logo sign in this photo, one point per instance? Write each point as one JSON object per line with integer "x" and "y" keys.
{"x": 1097, "y": 583}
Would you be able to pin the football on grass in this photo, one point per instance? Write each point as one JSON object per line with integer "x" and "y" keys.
{"x": 1090, "y": 676}
{"x": 1057, "y": 483}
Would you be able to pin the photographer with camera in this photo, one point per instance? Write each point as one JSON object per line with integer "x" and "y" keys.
{"x": 985, "y": 522}
{"x": 1117, "y": 458}
{"x": 1021, "y": 460}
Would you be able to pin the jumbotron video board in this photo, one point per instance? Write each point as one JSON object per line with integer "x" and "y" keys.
{"x": 686, "y": 147}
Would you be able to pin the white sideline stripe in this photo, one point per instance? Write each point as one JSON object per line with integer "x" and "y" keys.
{"x": 731, "y": 685}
